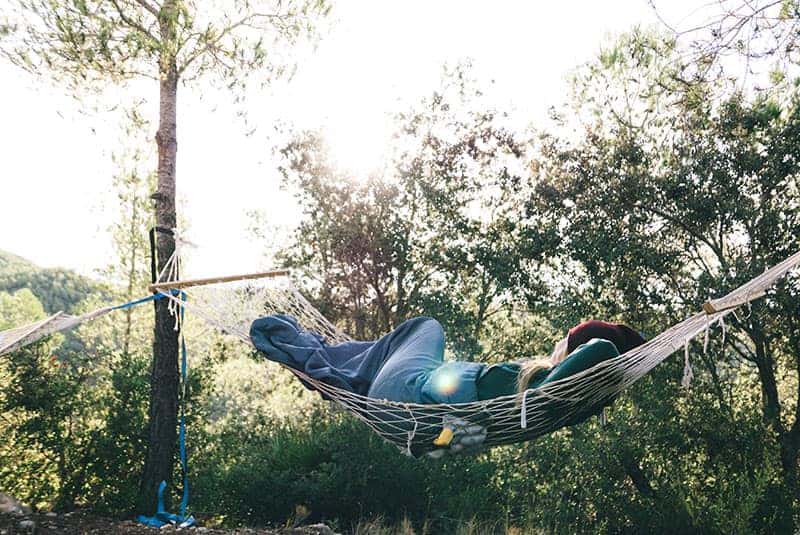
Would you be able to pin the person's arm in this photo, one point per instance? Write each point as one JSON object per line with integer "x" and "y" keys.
{"x": 584, "y": 357}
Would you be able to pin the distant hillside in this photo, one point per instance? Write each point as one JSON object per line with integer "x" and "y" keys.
{"x": 57, "y": 288}
{"x": 11, "y": 262}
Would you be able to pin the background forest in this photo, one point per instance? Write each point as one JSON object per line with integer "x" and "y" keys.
{"x": 662, "y": 180}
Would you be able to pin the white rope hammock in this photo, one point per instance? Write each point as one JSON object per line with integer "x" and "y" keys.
{"x": 18, "y": 337}
{"x": 231, "y": 304}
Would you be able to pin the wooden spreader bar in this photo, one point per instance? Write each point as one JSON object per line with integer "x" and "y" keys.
{"x": 719, "y": 305}
{"x": 175, "y": 285}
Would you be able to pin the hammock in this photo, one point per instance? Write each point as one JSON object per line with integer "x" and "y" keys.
{"x": 232, "y": 303}
{"x": 19, "y": 337}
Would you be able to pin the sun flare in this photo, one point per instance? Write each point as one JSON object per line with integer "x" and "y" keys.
{"x": 359, "y": 144}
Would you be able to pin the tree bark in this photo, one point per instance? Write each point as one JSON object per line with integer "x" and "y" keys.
{"x": 164, "y": 378}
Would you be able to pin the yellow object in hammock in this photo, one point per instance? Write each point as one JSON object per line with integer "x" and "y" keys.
{"x": 444, "y": 438}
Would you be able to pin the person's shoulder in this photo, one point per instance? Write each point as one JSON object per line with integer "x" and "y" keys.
{"x": 600, "y": 345}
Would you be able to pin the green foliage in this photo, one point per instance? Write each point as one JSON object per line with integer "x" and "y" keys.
{"x": 656, "y": 218}
{"x": 338, "y": 470}
{"x": 117, "y": 445}
{"x": 10, "y": 263}
{"x": 77, "y": 425}
{"x": 446, "y": 231}
{"x": 46, "y": 419}
{"x": 89, "y": 42}
{"x": 58, "y": 289}
{"x": 253, "y": 394}
{"x": 19, "y": 308}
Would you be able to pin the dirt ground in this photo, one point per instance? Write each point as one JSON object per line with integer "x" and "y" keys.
{"x": 84, "y": 524}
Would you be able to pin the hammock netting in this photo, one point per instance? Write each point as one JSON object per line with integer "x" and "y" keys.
{"x": 18, "y": 337}
{"x": 232, "y": 306}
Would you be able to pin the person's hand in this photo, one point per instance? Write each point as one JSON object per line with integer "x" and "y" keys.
{"x": 458, "y": 436}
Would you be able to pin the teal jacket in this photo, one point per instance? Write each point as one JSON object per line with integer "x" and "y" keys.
{"x": 461, "y": 382}
{"x": 501, "y": 379}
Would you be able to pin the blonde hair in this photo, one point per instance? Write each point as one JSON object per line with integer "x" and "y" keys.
{"x": 560, "y": 351}
{"x": 530, "y": 367}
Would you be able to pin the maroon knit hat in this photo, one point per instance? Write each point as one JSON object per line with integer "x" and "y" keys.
{"x": 622, "y": 336}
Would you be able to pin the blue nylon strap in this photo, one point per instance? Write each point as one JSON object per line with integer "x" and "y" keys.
{"x": 182, "y": 440}
{"x": 154, "y": 297}
{"x": 162, "y": 517}
{"x": 182, "y": 431}
{"x": 130, "y": 304}
{"x": 160, "y": 508}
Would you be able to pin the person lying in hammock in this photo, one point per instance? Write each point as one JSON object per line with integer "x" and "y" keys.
{"x": 407, "y": 364}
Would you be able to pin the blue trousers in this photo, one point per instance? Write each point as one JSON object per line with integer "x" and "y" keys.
{"x": 415, "y": 372}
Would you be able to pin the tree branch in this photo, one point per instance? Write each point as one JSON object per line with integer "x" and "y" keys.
{"x": 692, "y": 232}
{"x": 213, "y": 45}
{"x": 132, "y": 23}
{"x": 149, "y": 7}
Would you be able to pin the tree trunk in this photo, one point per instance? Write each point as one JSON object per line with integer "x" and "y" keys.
{"x": 772, "y": 413}
{"x": 637, "y": 476}
{"x": 681, "y": 519}
{"x": 164, "y": 379}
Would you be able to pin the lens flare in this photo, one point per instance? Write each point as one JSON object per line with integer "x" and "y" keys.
{"x": 446, "y": 382}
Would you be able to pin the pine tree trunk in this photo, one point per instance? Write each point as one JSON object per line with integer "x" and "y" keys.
{"x": 164, "y": 379}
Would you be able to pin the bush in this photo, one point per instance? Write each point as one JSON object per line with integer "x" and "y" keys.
{"x": 338, "y": 470}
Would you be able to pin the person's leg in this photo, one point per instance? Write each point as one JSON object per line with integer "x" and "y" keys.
{"x": 412, "y": 351}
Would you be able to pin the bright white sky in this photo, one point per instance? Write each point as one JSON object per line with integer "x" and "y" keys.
{"x": 55, "y": 163}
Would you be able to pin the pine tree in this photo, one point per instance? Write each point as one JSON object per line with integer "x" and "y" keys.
{"x": 87, "y": 44}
